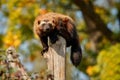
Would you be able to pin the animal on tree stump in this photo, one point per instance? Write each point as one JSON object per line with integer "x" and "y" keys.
{"x": 53, "y": 24}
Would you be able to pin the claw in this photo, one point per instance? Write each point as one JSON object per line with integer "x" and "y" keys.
{"x": 44, "y": 50}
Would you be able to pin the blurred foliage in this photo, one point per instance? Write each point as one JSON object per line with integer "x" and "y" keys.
{"x": 16, "y": 29}
{"x": 12, "y": 39}
{"x": 108, "y": 64}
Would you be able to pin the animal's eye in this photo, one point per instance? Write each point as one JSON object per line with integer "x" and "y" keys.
{"x": 38, "y": 22}
{"x": 53, "y": 21}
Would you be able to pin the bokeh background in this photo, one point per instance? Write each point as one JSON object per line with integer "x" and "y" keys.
{"x": 97, "y": 23}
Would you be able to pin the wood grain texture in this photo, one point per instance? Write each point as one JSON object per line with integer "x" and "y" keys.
{"x": 56, "y": 59}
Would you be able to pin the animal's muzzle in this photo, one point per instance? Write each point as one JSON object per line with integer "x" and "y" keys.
{"x": 47, "y": 28}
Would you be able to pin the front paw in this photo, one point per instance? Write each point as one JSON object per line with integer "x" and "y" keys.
{"x": 44, "y": 50}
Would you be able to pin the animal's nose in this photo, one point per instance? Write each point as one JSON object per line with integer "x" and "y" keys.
{"x": 47, "y": 28}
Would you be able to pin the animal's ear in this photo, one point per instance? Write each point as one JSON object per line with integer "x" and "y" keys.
{"x": 38, "y": 22}
{"x": 35, "y": 28}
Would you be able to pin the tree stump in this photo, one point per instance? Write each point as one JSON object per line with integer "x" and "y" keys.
{"x": 56, "y": 60}
{"x": 15, "y": 70}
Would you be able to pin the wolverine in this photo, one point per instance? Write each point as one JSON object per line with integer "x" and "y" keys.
{"x": 53, "y": 24}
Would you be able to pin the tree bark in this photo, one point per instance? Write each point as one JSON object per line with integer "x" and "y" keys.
{"x": 56, "y": 60}
{"x": 12, "y": 62}
{"x": 87, "y": 9}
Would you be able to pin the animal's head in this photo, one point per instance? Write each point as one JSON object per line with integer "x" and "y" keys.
{"x": 44, "y": 25}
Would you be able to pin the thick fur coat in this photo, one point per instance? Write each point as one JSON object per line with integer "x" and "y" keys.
{"x": 53, "y": 24}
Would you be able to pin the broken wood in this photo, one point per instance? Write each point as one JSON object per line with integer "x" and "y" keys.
{"x": 56, "y": 60}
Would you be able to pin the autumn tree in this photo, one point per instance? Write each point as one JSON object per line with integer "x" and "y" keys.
{"x": 97, "y": 26}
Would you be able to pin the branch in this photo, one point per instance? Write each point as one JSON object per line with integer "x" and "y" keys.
{"x": 87, "y": 9}
{"x": 11, "y": 67}
{"x": 14, "y": 67}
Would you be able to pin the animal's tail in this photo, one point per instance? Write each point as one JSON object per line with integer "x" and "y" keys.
{"x": 76, "y": 55}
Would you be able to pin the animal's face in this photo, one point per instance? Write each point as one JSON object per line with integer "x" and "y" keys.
{"x": 44, "y": 25}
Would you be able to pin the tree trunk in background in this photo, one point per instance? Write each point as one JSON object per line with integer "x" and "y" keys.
{"x": 94, "y": 34}
{"x": 56, "y": 60}
{"x": 87, "y": 9}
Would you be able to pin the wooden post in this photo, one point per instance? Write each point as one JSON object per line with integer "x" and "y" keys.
{"x": 56, "y": 60}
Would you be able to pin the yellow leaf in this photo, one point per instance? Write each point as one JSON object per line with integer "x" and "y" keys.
{"x": 88, "y": 45}
{"x": 90, "y": 70}
{"x": 12, "y": 39}
{"x": 43, "y": 11}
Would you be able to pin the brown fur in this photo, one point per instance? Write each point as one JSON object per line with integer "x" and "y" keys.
{"x": 53, "y": 17}
{"x": 53, "y": 24}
